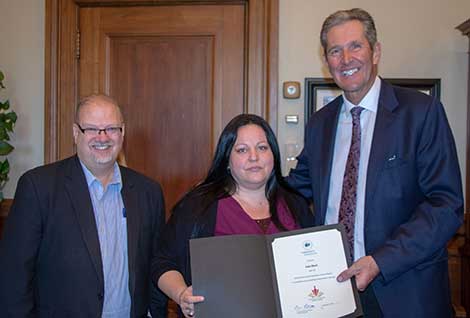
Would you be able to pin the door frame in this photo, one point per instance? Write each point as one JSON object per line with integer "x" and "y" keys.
{"x": 61, "y": 63}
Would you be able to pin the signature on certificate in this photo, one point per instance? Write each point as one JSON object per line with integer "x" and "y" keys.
{"x": 306, "y": 308}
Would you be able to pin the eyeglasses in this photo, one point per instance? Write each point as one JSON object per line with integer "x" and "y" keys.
{"x": 108, "y": 131}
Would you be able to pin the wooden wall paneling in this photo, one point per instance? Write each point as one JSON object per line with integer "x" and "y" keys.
{"x": 90, "y": 20}
{"x": 61, "y": 64}
{"x": 263, "y": 42}
{"x": 50, "y": 78}
{"x": 273, "y": 63}
{"x": 96, "y": 3}
{"x": 232, "y": 92}
{"x": 256, "y": 41}
{"x": 60, "y": 76}
{"x": 455, "y": 271}
{"x": 465, "y": 249}
{"x": 68, "y": 73}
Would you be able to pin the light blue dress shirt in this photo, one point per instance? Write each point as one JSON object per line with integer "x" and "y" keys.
{"x": 111, "y": 224}
{"x": 340, "y": 156}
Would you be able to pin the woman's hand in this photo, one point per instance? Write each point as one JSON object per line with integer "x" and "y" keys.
{"x": 186, "y": 300}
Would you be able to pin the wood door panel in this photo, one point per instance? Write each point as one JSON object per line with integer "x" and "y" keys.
{"x": 166, "y": 19}
{"x": 177, "y": 71}
{"x": 168, "y": 136}
{"x": 62, "y": 77}
{"x": 90, "y": 74}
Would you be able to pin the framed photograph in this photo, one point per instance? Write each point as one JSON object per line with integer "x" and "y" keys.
{"x": 321, "y": 91}
{"x": 430, "y": 86}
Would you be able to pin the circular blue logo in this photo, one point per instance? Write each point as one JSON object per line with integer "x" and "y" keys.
{"x": 307, "y": 245}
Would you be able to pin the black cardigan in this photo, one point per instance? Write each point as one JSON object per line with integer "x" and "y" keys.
{"x": 184, "y": 225}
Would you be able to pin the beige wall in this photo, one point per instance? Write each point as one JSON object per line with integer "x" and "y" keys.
{"x": 22, "y": 61}
{"x": 419, "y": 40}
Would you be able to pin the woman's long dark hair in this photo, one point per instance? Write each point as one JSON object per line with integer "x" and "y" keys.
{"x": 219, "y": 183}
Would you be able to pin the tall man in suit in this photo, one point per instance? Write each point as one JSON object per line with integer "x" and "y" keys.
{"x": 382, "y": 160}
{"x": 82, "y": 231}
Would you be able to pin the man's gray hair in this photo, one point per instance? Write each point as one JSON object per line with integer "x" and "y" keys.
{"x": 343, "y": 16}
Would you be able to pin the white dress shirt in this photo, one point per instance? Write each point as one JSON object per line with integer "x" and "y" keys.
{"x": 340, "y": 156}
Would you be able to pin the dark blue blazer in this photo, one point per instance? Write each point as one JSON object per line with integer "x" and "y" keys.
{"x": 414, "y": 200}
{"x": 50, "y": 259}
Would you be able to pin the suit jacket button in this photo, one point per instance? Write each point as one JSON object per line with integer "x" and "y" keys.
{"x": 100, "y": 296}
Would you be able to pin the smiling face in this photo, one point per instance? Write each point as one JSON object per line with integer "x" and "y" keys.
{"x": 251, "y": 158}
{"x": 98, "y": 152}
{"x": 351, "y": 60}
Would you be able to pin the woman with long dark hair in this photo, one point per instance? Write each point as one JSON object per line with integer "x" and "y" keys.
{"x": 244, "y": 193}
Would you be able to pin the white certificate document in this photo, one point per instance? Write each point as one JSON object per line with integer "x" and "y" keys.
{"x": 288, "y": 274}
{"x": 306, "y": 266}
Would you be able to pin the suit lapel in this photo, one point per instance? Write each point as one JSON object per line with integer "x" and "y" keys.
{"x": 381, "y": 139}
{"x": 328, "y": 135}
{"x": 77, "y": 188}
{"x": 134, "y": 220}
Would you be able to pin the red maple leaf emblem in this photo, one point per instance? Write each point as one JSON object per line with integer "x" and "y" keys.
{"x": 315, "y": 291}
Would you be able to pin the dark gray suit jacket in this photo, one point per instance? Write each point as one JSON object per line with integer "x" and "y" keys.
{"x": 50, "y": 260}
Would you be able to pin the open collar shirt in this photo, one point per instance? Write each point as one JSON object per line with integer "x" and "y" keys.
{"x": 111, "y": 223}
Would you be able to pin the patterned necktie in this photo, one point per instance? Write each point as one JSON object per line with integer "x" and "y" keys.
{"x": 347, "y": 208}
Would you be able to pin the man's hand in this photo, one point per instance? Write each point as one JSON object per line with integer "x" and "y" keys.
{"x": 365, "y": 269}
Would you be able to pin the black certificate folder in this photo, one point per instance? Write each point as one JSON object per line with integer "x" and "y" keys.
{"x": 289, "y": 274}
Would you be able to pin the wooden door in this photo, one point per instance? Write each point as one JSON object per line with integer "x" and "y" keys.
{"x": 180, "y": 69}
{"x": 178, "y": 74}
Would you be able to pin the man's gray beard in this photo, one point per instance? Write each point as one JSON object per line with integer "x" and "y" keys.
{"x": 103, "y": 160}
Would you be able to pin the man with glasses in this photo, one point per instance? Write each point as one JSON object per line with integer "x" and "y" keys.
{"x": 82, "y": 231}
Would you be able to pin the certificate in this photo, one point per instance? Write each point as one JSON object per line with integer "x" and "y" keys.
{"x": 289, "y": 274}
{"x": 306, "y": 267}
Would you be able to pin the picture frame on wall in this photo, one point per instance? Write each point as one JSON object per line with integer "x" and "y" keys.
{"x": 321, "y": 91}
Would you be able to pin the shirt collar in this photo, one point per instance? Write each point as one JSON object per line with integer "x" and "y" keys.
{"x": 369, "y": 102}
{"x": 90, "y": 178}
